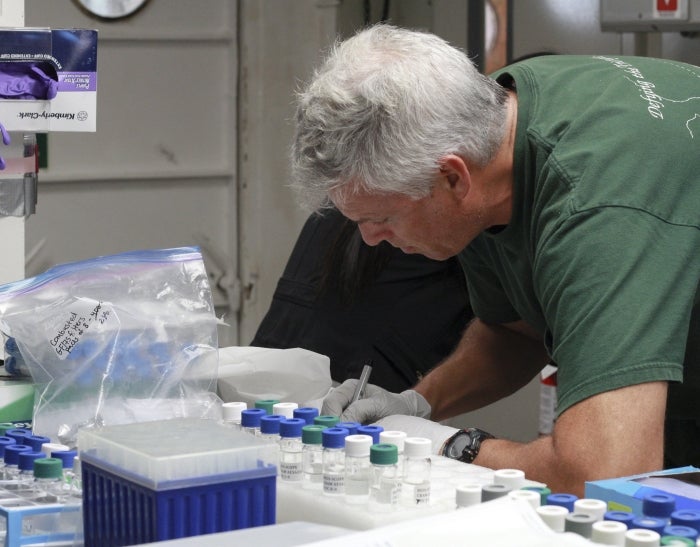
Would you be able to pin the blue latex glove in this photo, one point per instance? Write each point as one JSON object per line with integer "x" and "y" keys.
{"x": 5, "y": 141}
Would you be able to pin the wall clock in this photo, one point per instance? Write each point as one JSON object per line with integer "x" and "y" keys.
{"x": 111, "y": 9}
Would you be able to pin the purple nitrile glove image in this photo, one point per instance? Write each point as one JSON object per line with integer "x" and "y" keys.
{"x": 28, "y": 81}
{"x": 5, "y": 141}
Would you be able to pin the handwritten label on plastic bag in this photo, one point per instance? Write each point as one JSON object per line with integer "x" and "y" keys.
{"x": 84, "y": 316}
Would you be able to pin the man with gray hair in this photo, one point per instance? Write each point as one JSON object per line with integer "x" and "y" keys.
{"x": 569, "y": 188}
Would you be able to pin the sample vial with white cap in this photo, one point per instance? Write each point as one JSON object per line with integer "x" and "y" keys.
{"x": 467, "y": 495}
{"x": 529, "y": 496}
{"x": 416, "y": 470}
{"x": 639, "y": 537}
{"x": 232, "y": 413}
{"x": 553, "y": 516}
{"x": 394, "y": 437}
{"x": 357, "y": 449}
{"x": 514, "y": 479}
{"x": 609, "y": 532}
{"x": 285, "y": 409}
{"x": 593, "y": 507}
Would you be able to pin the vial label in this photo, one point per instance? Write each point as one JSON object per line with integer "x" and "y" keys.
{"x": 291, "y": 471}
{"x": 387, "y": 491}
{"x": 333, "y": 482}
{"x": 357, "y": 486}
{"x": 421, "y": 493}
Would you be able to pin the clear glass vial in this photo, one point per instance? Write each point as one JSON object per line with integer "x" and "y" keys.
{"x": 250, "y": 420}
{"x": 48, "y": 480}
{"x": 291, "y": 469}
{"x": 312, "y": 456}
{"x": 232, "y": 413}
{"x": 357, "y": 468}
{"x": 333, "y": 441}
{"x": 416, "y": 470}
{"x": 385, "y": 477}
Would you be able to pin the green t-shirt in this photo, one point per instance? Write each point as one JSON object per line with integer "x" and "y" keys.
{"x": 602, "y": 253}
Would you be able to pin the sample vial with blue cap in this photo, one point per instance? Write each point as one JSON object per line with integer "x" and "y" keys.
{"x": 350, "y": 426}
{"x": 250, "y": 420}
{"x": 18, "y": 434}
{"x": 372, "y": 430}
{"x": 686, "y": 517}
{"x": 385, "y": 478}
{"x": 270, "y": 427}
{"x": 4, "y": 442}
{"x": 659, "y": 505}
{"x": 36, "y": 441}
{"x": 25, "y": 464}
{"x": 66, "y": 456}
{"x": 312, "y": 456}
{"x": 291, "y": 468}
{"x": 12, "y": 452}
{"x": 306, "y": 413}
{"x": 333, "y": 441}
{"x": 563, "y": 500}
{"x": 625, "y": 517}
{"x": 678, "y": 530}
{"x": 649, "y": 523}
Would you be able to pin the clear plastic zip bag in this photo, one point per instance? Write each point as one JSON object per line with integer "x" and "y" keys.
{"x": 116, "y": 339}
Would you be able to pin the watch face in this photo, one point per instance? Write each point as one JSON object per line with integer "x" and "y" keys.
{"x": 457, "y": 446}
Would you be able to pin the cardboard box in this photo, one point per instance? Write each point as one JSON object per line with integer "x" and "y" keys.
{"x": 627, "y": 493}
{"x": 70, "y": 56}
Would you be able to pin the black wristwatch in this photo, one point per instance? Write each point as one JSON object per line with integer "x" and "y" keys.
{"x": 465, "y": 444}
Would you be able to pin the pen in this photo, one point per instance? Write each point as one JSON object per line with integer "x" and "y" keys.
{"x": 362, "y": 384}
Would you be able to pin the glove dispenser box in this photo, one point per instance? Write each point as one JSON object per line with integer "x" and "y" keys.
{"x": 48, "y": 80}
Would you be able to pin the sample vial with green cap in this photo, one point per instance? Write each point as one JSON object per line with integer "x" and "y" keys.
{"x": 312, "y": 456}
{"x": 48, "y": 480}
{"x": 327, "y": 420}
{"x": 385, "y": 477}
{"x": 266, "y": 404}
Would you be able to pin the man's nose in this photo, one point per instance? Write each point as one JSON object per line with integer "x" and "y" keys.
{"x": 372, "y": 234}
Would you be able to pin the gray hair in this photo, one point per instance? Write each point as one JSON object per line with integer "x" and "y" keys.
{"x": 382, "y": 110}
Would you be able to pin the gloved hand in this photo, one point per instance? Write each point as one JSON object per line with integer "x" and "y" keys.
{"x": 6, "y": 141}
{"x": 376, "y": 404}
{"x": 414, "y": 426}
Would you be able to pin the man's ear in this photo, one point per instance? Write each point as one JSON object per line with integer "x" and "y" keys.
{"x": 456, "y": 174}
